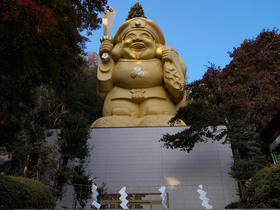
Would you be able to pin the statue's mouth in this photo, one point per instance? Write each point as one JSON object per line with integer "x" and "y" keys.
{"x": 138, "y": 46}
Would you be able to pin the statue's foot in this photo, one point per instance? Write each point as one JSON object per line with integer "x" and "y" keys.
{"x": 115, "y": 121}
{"x": 158, "y": 120}
{"x": 127, "y": 121}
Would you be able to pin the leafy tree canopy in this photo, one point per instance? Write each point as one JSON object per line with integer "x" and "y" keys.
{"x": 42, "y": 63}
{"x": 40, "y": 47}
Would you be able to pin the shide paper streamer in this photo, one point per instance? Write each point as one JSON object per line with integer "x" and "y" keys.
{"x": 163, "y": 196}
{"x": 202, "y": 196}
{"x": 94, "y": 196}
{"x": 123, "y": 198}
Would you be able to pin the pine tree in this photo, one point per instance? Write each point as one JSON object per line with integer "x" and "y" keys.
{"x": 136, "y": 11}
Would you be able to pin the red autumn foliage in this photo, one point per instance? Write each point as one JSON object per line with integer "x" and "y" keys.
{"x": 244, "y": 96}
{"x": 250, "y": 83}
{"x": 42, "y": 14}
{"x": 247, "y": 88}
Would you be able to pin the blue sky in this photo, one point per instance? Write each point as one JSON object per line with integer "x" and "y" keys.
{"x": 201, "y": 30}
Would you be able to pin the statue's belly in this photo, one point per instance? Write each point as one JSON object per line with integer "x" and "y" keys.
{"x": 138, "y": 74}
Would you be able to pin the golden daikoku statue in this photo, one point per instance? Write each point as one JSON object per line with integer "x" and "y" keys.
{"x": 140, "y": 79}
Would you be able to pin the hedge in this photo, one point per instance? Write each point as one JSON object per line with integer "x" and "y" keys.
{"x": 24, "y": 193}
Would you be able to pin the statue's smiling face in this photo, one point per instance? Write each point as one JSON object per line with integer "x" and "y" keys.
{"x": 138, "y": 44}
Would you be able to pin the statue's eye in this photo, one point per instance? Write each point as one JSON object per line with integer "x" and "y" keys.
{"x": 130, "y": 36}
{"x": 145, "y": 36}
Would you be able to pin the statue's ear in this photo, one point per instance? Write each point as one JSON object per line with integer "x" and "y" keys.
{"x": 159, "y": 50}
{"x": 117, "y": 52}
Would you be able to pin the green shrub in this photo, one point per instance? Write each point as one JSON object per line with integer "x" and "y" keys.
{"x": 24, "y": 193}
{"x": 263, "y": 190}
{"x": 244, "y": 169}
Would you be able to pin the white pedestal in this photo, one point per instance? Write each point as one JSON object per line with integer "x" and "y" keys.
{"x": 134, "y": 157}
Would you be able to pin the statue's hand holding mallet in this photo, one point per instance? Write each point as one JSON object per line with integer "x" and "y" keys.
{"x": 106, "y": 47}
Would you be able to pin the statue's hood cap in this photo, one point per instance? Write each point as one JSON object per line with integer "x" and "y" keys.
{"x": 142, "y": 24}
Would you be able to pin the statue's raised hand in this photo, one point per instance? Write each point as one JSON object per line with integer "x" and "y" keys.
{"x": 105, "y": 48}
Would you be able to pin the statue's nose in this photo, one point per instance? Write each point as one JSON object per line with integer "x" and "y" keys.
{"x": 137, "y": 39}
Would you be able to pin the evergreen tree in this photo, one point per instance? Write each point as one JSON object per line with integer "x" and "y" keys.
{"x": 136, "y": 11}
